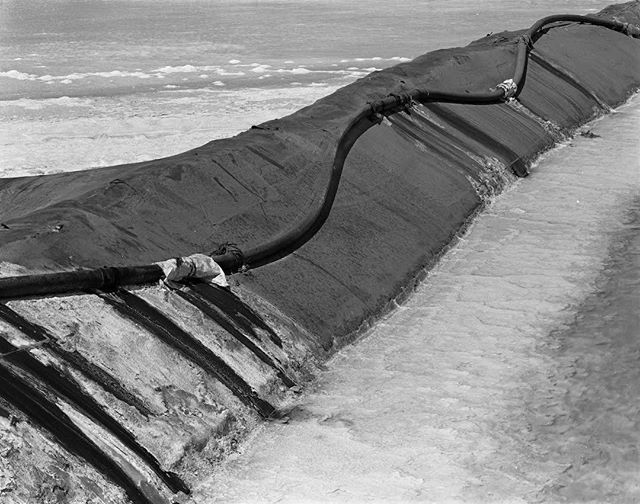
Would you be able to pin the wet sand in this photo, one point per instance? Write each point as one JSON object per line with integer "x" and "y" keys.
{"x": 509, "y": 376}
{"x": 594, "y": 429}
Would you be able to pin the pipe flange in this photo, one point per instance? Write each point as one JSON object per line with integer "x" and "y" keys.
{"x": 233, "y": 250}
{"x": 527, "y": 41}
{"x": 509, "y": 88}
{"x": 631, "y": 30}
{"x": 110, "y": 277}
{"x": 376, "y": 117}
{"x": 401, "y": 99}
{"x": 375, "y": 108}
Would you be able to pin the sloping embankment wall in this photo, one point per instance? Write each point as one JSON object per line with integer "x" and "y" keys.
{"x": 408, "y": 186}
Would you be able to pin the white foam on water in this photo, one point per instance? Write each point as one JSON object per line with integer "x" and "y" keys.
{"x": 297, "y": 71}
{"x": 224, "y": 72}
{"x": 169, "y": 70}
{"x": 29, "y": 104}
{"x": 448, "y": 399}
{"x": 376, "y": 58}
{"x": 186, "y": 69}
{"x": 260, "y": 68}
{"x": 15, "y": 74}
{"x": 116, "y": 73}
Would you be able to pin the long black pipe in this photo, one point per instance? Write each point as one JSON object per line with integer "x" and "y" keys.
{"x": 287, "y": 242}
{"x": 77, "y": 281}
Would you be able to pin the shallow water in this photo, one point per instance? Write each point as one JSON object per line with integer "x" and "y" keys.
{"x": 92, "y": 48}
{"x": 89, "y": 83}
{"x": 510, "y": 375}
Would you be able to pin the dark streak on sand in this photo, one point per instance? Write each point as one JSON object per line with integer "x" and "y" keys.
{"x": 92, "y": 371}
{"x": 63, "y": 385}
{"x": 233, "y": 307}
{"x": 234, "y": 326}
{"x": 508, "y": 156}
{"x": 139, "y": 311}
{"x": 50, "y": 417}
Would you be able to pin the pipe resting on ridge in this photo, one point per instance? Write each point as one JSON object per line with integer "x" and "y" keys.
{"x": 231, "y": 259}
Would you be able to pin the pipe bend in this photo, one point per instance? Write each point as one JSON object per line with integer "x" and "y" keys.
{"x": 288, "y": 241}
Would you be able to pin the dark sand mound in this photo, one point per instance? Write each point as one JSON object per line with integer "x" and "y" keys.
{"x": 406, "y": 188}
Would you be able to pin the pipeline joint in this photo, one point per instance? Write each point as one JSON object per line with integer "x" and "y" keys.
{"x": 390, "y": 105}
{"x": 528, "y": 42}
{"x": 408, "y": 105}
{"x": 231, "y": 250}
{"x": 509, "y": 88}
{"x": 376, "y": 117}
{"x": 195, "y": 266}
{"x": 402, "y": 100}
{"x": 376, "y": 108}
{"x": 110, "y": 277}
{"x": 631, "y": 30}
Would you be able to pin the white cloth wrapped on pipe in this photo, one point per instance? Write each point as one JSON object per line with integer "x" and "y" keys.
{"x": 198, "y": 266}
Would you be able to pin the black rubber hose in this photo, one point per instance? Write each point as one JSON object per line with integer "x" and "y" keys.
{"x": 77, "y": 281}
{"x": 287, "y": 242}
